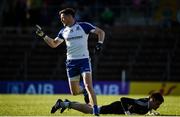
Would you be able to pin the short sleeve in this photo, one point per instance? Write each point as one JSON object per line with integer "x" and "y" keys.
{"x": 87, "y": 27}
{"x": 60, "y": 34}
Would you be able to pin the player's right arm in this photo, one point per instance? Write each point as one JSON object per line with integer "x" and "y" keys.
{"x": 51, "y": 42}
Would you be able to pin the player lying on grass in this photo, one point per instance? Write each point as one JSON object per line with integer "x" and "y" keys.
{"x": 126, "y": 106}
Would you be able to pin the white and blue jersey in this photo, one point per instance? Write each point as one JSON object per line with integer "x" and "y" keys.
{"x": 76, "y": 39}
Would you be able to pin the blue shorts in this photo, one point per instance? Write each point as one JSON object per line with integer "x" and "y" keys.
{"x": 76, "y": 67}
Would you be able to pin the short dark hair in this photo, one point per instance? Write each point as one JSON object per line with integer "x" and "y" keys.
{"x": 68, "y": 11}
{"x": 157, "y": 96}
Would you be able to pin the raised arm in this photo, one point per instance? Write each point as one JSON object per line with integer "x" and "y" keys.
{"x": 51, "y": 42}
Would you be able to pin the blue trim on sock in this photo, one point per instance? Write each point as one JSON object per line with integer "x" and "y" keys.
{"x": 95, "y": 110}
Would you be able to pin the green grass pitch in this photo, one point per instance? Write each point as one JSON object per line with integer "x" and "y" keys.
{"x": 40, "y": 105}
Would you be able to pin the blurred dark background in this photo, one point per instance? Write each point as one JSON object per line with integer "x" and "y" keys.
{"x": 142, "y": 38}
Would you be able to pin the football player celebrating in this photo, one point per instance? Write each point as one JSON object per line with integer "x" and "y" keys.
{"x": 126, "y": 106}
{"x": 75, "y": 34}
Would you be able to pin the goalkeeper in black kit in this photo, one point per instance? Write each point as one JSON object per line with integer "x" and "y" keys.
{"x": 128, "y": 106}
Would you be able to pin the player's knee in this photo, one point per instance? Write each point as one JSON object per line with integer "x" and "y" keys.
{"x": 74, "y": 92}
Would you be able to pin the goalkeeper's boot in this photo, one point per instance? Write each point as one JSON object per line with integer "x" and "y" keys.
{"x": 86, "y": 96}
{"x": 68, "y": 105}
{"x": 56, "y": 106}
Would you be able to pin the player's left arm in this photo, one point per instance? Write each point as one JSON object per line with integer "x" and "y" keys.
{"x": 87, "y": 27}
{"x": 100, "y": 33}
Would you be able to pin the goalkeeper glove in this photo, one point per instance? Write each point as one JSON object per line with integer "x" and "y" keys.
{"x": 127, "y": 113}
{"x": 40, "y": 32}
{"x": 153, "y": 113}
{"x": 98, "y": 48}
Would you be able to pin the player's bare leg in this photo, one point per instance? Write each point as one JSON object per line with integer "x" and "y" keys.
{"x": 87, "y": 78}
{"x": 76, "y": 89}
{"x": 85, "y": 108}
{"x": 75, "y": 86}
